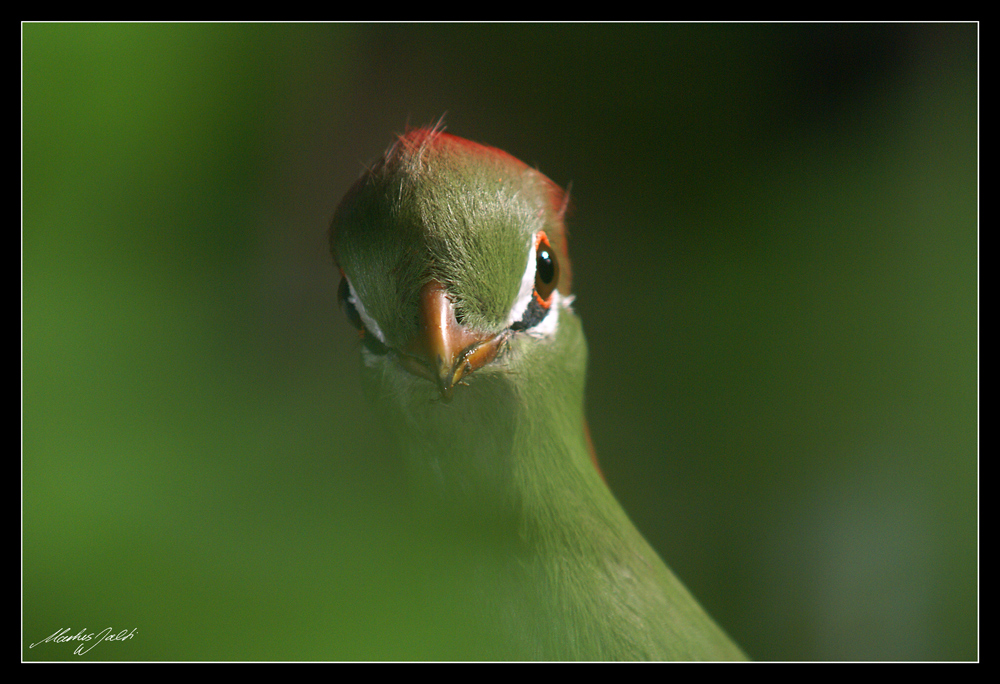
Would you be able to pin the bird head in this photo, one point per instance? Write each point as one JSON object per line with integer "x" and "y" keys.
{"x": 449, "y": 250}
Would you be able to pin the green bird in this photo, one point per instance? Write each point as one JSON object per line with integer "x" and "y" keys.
{"x": 455, "y": 270}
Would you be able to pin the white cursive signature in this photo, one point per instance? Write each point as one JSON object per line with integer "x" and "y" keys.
{"x": 85, "y": 637}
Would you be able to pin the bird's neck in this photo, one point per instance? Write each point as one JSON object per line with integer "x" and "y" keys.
{"x": 511, "y": 447}
{"x": 507, "y": 465}
{"x": 558, "y": 570}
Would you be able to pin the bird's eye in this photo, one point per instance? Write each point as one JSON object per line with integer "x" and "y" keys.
{"x": 344, "y": 297}
{"x": 546, "y": 268}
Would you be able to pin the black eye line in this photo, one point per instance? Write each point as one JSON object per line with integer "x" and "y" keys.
{"x": 371, "y": 342}
{"x": 343, "y": 297}
{"x": 533, "y": 315}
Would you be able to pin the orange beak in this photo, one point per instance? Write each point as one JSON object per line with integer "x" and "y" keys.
{"x": 444, "y": 351}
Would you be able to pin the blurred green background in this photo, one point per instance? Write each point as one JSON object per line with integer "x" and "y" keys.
{"x": 775, "y": 243}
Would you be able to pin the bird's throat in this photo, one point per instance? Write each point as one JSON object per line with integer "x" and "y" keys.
{"x": 515, "y": 424}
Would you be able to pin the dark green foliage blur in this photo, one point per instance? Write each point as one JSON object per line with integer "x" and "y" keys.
{"x": 775, "y": 241}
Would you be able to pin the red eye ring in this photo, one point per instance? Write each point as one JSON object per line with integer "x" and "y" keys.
{"x": 546, "y": 270}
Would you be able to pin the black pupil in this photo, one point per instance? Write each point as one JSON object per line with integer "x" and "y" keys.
{"x": 546, "y": 269}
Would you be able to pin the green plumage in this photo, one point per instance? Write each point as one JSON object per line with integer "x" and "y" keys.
{"x": 472, "y": 219}
{"x": 564, "y": 575}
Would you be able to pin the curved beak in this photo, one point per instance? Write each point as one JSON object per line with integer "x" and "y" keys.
{"x": 444, "y": 351}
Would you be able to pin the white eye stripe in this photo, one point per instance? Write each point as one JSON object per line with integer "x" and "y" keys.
{"x": 370, "y": 324}
{"x": 547, "y": 326}
{"x": 527, "y": 290}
